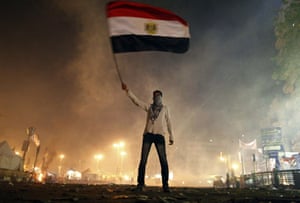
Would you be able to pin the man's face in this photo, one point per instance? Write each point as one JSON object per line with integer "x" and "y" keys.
{"x": 156, "y": 94}
{"x": 157, "y": 98}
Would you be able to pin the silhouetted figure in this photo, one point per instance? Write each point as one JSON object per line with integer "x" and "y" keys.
{"x": 227, "y": 180}
{"x": 157, "y": 123}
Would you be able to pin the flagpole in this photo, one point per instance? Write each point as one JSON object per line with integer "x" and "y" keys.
{"x": 243, "y": 164}
{"x": 117, "y": 68}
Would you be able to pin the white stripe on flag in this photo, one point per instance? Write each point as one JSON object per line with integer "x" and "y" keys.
{"x": 137, "y": 26}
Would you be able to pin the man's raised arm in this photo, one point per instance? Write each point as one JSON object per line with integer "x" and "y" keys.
{"x": 134, "y": 99}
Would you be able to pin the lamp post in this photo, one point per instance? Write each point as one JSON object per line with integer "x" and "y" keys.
{"x": 226, "y": 160}
{"x": 61, "y": 157}
{"x": 118, "y": 146}
{"x": 98, "y": 158}
{"x": 232, "y": 168}
{"x": 122, "y": 154}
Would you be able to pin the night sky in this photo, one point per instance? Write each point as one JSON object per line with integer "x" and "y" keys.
{"x": 57, "y": 74}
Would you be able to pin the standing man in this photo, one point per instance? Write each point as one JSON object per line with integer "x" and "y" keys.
{"x": 158, "y": 119}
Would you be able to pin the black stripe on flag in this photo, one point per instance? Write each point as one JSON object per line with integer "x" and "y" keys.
{"x": 133, "y": 43}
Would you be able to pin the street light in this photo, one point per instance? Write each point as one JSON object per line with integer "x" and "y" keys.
{"x": 119, "y": 145}
{"x": 235, "y": 166}
{"x": 61, "y": 157}
{"x": 222, "y": 158}
{"x": 98, "y": 157}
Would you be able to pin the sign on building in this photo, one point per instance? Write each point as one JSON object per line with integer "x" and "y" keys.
{"x": 271, "y": 140}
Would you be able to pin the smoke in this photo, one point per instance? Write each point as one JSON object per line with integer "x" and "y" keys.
{"x": 48, "y": 158}
{"x": 60, "y": 77}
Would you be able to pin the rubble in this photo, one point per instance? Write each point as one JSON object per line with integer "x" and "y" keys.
{"x": 33, "y": 192}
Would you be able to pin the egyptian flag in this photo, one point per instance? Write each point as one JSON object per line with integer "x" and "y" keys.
{"x": 140, "y": 27}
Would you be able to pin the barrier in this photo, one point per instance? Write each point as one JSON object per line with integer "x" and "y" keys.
{"x": 275, "y": 178}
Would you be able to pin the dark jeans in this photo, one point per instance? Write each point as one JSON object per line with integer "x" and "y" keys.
{"x": 160, "y": 145}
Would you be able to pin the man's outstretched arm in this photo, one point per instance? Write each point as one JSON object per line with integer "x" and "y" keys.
{"x": 134, "y": 99}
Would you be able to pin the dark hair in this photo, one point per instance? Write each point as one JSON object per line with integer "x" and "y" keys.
{"x": 157, "y": 91}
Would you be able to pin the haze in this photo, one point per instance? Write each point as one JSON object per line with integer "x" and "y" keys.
{"x": 58, "y": 75}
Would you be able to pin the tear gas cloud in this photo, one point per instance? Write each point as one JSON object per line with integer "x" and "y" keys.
{"x": 58, "y": 74}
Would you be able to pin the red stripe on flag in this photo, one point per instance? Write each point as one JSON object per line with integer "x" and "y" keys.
{"x": 134, "y": 9}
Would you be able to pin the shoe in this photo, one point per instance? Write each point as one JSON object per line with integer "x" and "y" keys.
{"x": 166, "y": 189}
{"x": 140, "y": 188}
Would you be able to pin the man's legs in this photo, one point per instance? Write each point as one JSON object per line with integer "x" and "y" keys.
{"x": 161, "y": 150}
{"x": 144, "y": 156}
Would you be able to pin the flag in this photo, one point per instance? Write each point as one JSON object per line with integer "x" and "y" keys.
{"x": 250, "y": 145}
{"x": 140, "y": 27}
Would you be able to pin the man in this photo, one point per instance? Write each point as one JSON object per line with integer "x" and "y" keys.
{"x": 158, "y": 119}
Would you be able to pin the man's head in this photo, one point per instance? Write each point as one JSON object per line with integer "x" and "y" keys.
{"x": 157, "y": 97}
{"x": 157, "y": 93}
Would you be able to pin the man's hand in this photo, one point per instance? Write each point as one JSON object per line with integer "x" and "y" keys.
{"x": 124, "y": 87}
{"x": 171, "y": 142}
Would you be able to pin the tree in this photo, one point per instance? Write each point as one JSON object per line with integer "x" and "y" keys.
{"x": 285, "y": 110}
{"x": 287, "y": 31}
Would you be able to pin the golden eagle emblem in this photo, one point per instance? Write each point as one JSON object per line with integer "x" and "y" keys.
{"x": 151, "y": 28}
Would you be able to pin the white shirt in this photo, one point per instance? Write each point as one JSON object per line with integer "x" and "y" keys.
{"x": 159, "y": 126}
